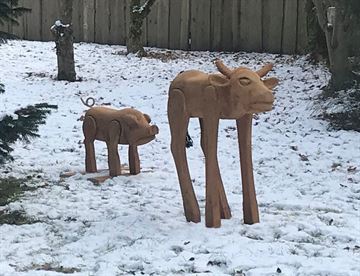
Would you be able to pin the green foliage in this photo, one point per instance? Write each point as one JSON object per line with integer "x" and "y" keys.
{"x": 23, "y": 126}
{"x": 9, "y": 11}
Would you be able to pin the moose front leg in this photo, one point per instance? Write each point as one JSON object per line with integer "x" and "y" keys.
{"x": 112, "y": 146}
{"x": 212, "y": 174}
{"x": 250, "y": 206}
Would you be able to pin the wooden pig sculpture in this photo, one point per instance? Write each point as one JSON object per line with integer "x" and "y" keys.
{"x": 233, "y": 94}
{"x": 127, "y": 126}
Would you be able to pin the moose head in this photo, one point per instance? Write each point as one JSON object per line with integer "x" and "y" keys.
{"x": 243, "y": 90}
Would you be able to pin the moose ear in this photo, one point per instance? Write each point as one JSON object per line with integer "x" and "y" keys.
{"x": 271, "y": 82}
{"x": 265, "y": 69}
{"x": 219, "y": 80}
{"x": 147, "y": 118}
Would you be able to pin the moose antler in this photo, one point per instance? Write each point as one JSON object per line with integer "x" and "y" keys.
{"x": 264, "y": 70}
{"x": 223, "y": 69}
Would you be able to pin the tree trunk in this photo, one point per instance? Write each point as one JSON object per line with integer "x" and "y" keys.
{"x": 63, "y": 34}
{"x": 336, "y": 39}
{"x": 138, "y": 13}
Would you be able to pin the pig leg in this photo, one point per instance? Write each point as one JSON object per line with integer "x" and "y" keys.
{"x": 209, "y": 141}
{"x": 250, "y": 206}
{"x": 134, "y": 161}
{"x": 178, "y": 122}
{"x": 224, "y": 205}
{"x": 112, "y": 146}
{"x": 89, "y": 129}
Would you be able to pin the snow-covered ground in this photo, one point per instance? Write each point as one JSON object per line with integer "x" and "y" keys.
{"x": 307, "y": 177}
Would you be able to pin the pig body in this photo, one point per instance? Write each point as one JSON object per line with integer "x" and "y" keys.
{"x": 126, "y": 126}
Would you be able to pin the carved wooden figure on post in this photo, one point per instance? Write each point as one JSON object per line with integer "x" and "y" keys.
{"x": 126, "y": 126}
{"x": 233, "y": 94}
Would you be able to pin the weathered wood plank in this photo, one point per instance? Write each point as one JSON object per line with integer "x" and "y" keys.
{"x": 117, "y": 29}
{"x": 236, "y": 30}
{"x": 289, "y": 39}
{"x": 227, "y": 34}
{"x": 174, "y": 24}
{"x": 152, "y": 22}
{"x": 89, "y": 20}
{"x": 216, "y": 25}
{"x": 185, "y": 25}
{"x": 102, "y": 21}
{"x": 272, "y": 25}
{"x": 302, "y": 35}
{"x": 77, "y": 20}
{"x": 163, "y": 24}
{"x": 200, "y": 25}
{"x": 51, "y": 11}
{"x": 251, "y": 26}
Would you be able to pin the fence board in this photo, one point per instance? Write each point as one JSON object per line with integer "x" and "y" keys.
{"x": 152, "y": 22}
{"x": 216, "y": 24}
{"x": 272, "y": 25}
{"x": 251, "y": 26}
{"x": 302, "y": 34}
{"x": 102, "y": 22}
{"x": 89, "y": 20}
{"x": 51, "y": 11}
{"x": 163, "y": 24}
{"x": 117, "y": 30}
{"x": 200, "y": 25}
{"x": 290, "y": 27}
{"x": 227, "y": 35}
{"x": 77, "y": 20}
{"x": 185, "y": 25}
{"x": 236, "y": 30}
{"x": 174, "y": 24}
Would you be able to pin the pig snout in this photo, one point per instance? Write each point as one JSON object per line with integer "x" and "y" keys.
{"x": 143, "y": 135}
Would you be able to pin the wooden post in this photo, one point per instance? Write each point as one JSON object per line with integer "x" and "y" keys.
{"x": 134, "y": 161}
{"x": 250, "y": 207}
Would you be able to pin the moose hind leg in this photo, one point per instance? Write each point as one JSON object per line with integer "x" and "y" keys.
{"x": 178, "y": 122}
{"x": 112, "y": 146}
{"x": 224, "y": 205}
{"x": 89, "y": 129}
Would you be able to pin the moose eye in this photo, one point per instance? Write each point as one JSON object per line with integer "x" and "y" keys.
{"x": 244, "y": 81}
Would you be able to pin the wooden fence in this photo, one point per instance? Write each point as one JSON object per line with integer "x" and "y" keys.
{"x": 276, "y": 26}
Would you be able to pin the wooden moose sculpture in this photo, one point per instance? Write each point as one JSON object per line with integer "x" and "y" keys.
{"x": 233, "y": 94}
{"x": 127, "y": 126}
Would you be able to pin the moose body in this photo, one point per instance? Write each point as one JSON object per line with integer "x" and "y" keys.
{"x": 127, "y": 126}
{"x": 233, "y": 94}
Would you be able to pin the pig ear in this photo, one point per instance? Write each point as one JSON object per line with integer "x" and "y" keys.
{"x": 271, "y": 82}
{"x": 147, "y": 118}
{"x": 265, "y": 69}
{"x": 219, "y": 80}
{"x": 130, "y": 120}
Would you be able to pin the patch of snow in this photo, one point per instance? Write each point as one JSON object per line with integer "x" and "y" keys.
{"x": 309, "y": 207}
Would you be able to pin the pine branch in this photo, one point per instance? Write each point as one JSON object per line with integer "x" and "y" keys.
{"x": 22, "y": 126}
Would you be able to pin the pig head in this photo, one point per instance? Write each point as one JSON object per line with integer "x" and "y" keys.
{"x": 126, "y": 126}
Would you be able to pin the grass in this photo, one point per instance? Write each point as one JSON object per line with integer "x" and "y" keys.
{"x": 11, "y": 189}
